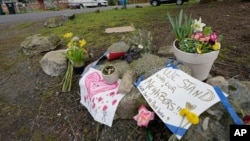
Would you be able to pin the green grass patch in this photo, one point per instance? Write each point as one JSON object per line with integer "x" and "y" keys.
{"x": 91, "y": 26}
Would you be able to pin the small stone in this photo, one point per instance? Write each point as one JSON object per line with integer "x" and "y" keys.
{"x": 218, "y": 81}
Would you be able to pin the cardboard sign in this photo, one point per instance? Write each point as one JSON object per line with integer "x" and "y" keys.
{"x": 170, "y": 90}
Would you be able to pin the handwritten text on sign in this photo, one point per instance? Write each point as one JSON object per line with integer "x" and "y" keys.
{"x": 169, "y": 90}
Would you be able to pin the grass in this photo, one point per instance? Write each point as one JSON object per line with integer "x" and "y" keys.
{"x": 91, "y": 26}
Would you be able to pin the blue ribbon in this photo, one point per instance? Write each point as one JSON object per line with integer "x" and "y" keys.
{"x": 170, "y": 63}
{"x": 138, "y": 81}
{"x": 176, "y": 129}
{"x": 227, "y": 105}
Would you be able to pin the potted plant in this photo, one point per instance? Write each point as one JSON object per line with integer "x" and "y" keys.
{"x": 196, "y": 45}
{"x": 76, "y": 52}
{"x": 110, "y": 74}
{"x": 77, "y": 56}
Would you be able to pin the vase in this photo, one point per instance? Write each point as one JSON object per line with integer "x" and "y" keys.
{"x": 200, "y": 64}
{"x": 110, "y": 77}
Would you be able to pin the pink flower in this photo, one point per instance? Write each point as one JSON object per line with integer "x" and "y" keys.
{"x": 197, "y": 35}
{"x": 144, "y": 116}
{"x": 214, "y": 37}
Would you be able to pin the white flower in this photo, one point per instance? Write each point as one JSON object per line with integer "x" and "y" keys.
{"x": 198, "y": 25}
{"x": 140, "y": 46}
{"x": 75, "y": 38}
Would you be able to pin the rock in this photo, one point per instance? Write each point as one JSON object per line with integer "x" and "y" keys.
{"x": 165, "y": 51}
{"x": 53, "y": 22}
{"x": 217, "y": 80}
{"x": 126, "y": 82}
{"x": 118, "y": 47}
{"x": 36, "y": 44}
{"x": 68, "y": 16}
{"x": 54, "y": 63}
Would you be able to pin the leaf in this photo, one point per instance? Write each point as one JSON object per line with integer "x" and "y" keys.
{"x": 149, "y": 135}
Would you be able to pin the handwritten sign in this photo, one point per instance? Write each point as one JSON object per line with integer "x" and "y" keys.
{"x": 170, "y": 90}
{"x": 99, "y": 98}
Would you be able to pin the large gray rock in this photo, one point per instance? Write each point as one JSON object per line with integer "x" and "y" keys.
{"x": 54, "y": 63}
{"x": 36, "y": 44}
{"x": 147, "y": 65}
{"x": 53, "y": 22}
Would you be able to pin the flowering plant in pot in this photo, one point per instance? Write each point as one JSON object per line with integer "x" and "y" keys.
{"x": 196, "y": 44}
{"x": 77, "y": 56}
{"x": 76, "y": 52}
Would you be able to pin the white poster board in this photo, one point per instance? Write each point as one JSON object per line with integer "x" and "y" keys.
{"x": 99, "y": 98}
{"x": 170, "y": 90}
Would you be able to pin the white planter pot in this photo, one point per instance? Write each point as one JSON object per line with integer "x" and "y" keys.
{"x": 200, "y": 64}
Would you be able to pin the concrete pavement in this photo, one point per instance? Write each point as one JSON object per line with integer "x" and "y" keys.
{"x": 46, "y": 14}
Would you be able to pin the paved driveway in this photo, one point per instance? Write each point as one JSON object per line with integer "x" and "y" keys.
{"x": 46, "y": 14}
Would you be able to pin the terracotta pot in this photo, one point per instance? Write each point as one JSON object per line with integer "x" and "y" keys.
{"x": 112, "y": 77}
{"x": 200, "y": 64}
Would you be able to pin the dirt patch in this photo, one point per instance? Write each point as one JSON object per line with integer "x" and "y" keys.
{"x": 33, "y": 107}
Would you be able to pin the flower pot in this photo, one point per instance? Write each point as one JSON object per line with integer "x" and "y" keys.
{"x": 200, "y": 64}
{"x": 78, "y": 69}
{"x": 110, "y": 74}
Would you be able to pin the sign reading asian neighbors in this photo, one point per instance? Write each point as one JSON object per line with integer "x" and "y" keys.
{"x": 169, "y": 90}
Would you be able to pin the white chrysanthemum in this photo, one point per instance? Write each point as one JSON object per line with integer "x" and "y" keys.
{"x": 198, "y": 25}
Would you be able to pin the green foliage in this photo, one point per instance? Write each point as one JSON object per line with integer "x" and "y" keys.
{"x": 67, "y": 80}
{"x": 140, "y": 37}
{"x": 181, "y": 25}
{"x": 111, "y": 2}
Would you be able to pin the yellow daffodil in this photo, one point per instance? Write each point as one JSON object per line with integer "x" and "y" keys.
{"x": 68, "y": 35}
{"x": 198, "y": 25}
{"x": 82, "y": 42}
{"x": 216, "y": 46}
{"x": 70, "y": 43}
{"x": 76, "y": 53}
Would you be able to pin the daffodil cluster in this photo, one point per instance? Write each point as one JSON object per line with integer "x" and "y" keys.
{"x": 76, "y": 52}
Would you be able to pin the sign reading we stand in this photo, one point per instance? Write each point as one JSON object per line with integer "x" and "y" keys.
{"x": 169, "y": 90}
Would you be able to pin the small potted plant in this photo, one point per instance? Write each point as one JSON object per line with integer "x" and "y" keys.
{"x": 110, "y": 74}
{"x": 77, "y": 56}
{"x": 76, "y": 52}
{"x": 196, "y": 45}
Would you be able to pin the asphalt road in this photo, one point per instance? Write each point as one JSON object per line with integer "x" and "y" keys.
{"x": 46, "y": 14}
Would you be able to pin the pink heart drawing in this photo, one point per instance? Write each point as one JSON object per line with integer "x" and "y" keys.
{"x": 95, "y": 84}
